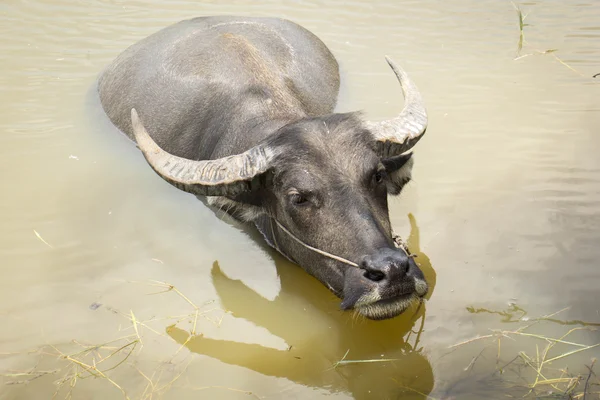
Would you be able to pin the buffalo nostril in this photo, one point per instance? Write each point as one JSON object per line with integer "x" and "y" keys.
{"x": 404, "y": 266}
{"x": 374, "y": 275}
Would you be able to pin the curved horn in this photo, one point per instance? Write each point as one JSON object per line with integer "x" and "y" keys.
{"x": 396, "y": 136}
{"x": 227, "y": 176}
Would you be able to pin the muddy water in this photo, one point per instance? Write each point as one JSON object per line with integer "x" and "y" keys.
{"x": 504, "y": 209}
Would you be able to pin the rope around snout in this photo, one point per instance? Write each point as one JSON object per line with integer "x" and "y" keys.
{"x": 321, "y": 252}
{"x": 397, "y": 242}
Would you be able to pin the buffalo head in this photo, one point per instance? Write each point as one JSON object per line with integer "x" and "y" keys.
{"x": 317, "y": 189}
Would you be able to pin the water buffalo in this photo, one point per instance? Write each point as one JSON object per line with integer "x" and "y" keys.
{"x": 240, "y": 110}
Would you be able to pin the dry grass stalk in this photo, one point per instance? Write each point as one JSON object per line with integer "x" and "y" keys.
{"x": 42, "y": 239}
{"x": 522, "y": 25}
{"x": 194, "y": 315}
{"x": 84, "y": 370}
{"x": 343, "y": 361}
{"x": 521, "y": 42}
{"x": 246, "y": 392}
{"x": 546, "y": 378}
{"x": 99, "y": 360}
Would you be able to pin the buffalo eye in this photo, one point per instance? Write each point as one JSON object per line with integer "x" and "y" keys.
{"x": 379, "y": 176}
{"x": 297, "y": 198}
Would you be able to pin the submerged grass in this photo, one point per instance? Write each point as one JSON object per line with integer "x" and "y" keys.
{"x": 533, "y": 371}
{"x": 92, "y": 361}
{"x": 522, "y": 25}
{"x": 542, "y": 371}
{"x": 98, "y": 361}
{"x": 522, "y": 42}
{"x": 413, "y": 347}
{"x": 530, "y": 373}
{"x": 343, "y": 360}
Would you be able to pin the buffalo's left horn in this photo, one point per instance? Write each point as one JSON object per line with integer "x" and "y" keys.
{"x": 227, "y": 176}
{"x": 398, "y": 135}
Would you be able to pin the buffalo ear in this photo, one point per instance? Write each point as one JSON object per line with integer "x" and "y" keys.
{"x": 399, "y": 170}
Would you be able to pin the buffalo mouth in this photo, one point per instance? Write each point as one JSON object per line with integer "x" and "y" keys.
{"x": 393, "y": 306}
{"x": 379, "y": 300}
{"x": 387, "y": 308}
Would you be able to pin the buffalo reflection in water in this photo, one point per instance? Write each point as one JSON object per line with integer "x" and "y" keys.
{"x": 319, "y": 334}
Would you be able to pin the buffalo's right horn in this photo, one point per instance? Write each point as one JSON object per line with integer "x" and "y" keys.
{"x": 227, "y": 176}
{"x": 398, "y": 135}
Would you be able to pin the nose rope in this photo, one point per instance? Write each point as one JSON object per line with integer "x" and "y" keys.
{"x": 321, "y": 252}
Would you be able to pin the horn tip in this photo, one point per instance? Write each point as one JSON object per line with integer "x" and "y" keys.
{"x": 398, "y": 71}
{"x": 134, "y": 116}
{"x": 143, "y": 139}
{"x": 135, "y": 119}
{"x": 136, "y": 124}
{"x": 389, "y": 60}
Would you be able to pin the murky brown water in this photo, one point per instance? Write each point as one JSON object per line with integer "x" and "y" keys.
{"x": 506, "y": 206}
